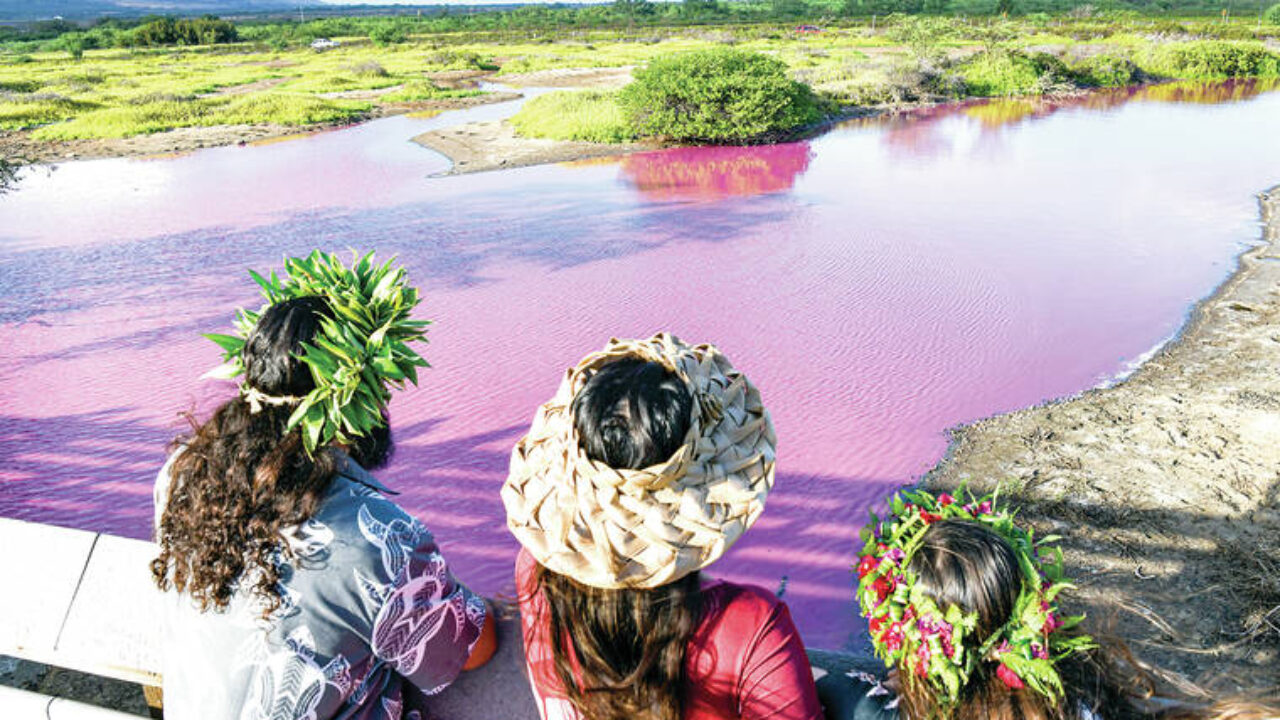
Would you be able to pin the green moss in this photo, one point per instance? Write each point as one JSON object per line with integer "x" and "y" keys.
{"x": 567, "y": 115}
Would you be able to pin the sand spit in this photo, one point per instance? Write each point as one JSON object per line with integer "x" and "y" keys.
{"x": 494, "y": 145}
{"x": 1166, "y": 487}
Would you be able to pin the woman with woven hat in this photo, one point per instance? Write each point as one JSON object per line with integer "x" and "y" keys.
{"x": 962, "y": 605}
{"x": 297, "y": 589}
{"x": 651, "y": 460}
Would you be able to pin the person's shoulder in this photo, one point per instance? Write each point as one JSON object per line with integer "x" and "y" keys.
{"x": 740, "y": 604}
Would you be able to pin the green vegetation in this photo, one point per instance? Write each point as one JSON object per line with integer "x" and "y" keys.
{"x": 147, "y": 75}
{"x": 168, "y": 113}
{"x": 1000, "y": 73}
{"x": 717, "y": 95}
{"x": 567, "y": 115}
{"x": 1210, "y": 60}
{"x": 1273, "y": 14}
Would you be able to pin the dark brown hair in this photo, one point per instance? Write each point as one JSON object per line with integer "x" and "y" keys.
{"x": 620, "y": 654}
{"x": 240, "y": 477}
{"x": 966, "y": 564}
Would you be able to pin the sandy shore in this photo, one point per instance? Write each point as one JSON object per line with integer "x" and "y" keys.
{"x": 494, "y": 145}
{"x": 1166, "y": 487}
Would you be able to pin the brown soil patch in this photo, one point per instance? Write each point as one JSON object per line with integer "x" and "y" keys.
{"x": 1166, "y": 487}
{"x": 263, "y": 84}
{"x": 478, "y": 147}
{"x": 458, "y": 79}
{"x": 594, "y": 78}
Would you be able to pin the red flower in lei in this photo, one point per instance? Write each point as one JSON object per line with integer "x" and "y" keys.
{"x": 1009, "y": 677}
{"x": 869, "y": 563}
{"x": 884, "y": 587}
{"x": 928, "y": 517}
{"x": 894, "y": 636}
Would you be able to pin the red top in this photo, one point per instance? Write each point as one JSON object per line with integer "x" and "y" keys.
{"x": 745, "y": 658}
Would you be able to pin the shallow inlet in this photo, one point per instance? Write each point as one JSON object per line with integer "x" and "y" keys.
{"x": 881, "y": 283}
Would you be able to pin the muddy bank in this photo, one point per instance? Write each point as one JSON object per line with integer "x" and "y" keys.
{"x": 494, "y": 145}
{"x": 19, "y": 144}
{"x": 1166, "y": 487}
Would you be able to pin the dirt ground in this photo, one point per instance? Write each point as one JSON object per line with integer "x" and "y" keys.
{"x": 494, "y": 145}
{"x": 1166, "y": 487}
{"x": 577, "y": 78}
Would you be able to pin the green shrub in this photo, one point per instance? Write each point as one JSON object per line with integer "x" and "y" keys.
{"x": 1273, "y": 14}
{"x": 998, "y": 73}
{"x": 388, "y": 34}
{"x": 568, "y": 115}
{"x": 418, "y": 90}
{"x": 1106, "y": 71}
{"x": 1209, "y": 59}
{"x": 718, "y": 95}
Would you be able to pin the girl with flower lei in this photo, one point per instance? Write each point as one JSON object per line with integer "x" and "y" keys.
{"x": 962, "y": 606}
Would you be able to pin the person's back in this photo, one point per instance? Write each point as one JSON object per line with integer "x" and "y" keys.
{"x": 652, "y": 459}
{"x": 296, "y": 589}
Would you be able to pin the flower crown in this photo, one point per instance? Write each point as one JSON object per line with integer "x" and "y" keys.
{"x": 356, "y": 353}
{"x": 936, "y": 645}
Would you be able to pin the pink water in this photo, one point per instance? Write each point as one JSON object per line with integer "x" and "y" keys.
{"x": 881, "y": 284}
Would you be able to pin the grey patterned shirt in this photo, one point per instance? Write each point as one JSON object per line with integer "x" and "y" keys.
{"x": 369, "y": 603}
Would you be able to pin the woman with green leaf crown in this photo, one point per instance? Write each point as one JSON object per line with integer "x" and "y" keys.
{"x": 962, "y": 605}
{"x": 295, "y": 587}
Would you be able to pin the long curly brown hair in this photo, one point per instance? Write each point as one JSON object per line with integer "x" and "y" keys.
{"x": 239, "y": 478}
{"x": 966, "y": 564}
{"x": 620, "y": 654}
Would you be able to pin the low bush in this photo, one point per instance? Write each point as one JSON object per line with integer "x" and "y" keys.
{"x": 129, "y": 120}
{"x": 1106, "y": 71}
{"x": 1273, "y": 14}
{"x": 19, "y": 111}
{"x": 1001, "y": 73}
{"x": 574, "y": 115}
{"x": 1209, "y": 59}
{"x": 419, "y": 90}
{"x": 718, "y": 95}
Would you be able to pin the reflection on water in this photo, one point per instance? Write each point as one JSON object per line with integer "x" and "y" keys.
{"x": 711, "y": 173}
{"x": 880, "y": 283}
{"x": 918, "y": 132}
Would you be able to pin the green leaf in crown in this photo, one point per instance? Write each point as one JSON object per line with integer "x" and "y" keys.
{"x": 908, "y": 628}
{"x": 355, "y": 356}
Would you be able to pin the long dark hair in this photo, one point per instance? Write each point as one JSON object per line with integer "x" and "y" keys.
{"x": 629, "y": 644}
{"x": 240, "y": 477}
{"x": 966, "y": 564}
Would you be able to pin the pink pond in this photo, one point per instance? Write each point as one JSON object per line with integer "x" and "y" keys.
{"x": 880, "y": 283}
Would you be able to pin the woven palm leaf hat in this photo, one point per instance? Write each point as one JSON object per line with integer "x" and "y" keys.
{"x": 617, "y": 528}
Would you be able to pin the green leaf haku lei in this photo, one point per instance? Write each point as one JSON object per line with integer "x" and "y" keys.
{"x": 355, "y": 355}
{"x": 908, "y": 629}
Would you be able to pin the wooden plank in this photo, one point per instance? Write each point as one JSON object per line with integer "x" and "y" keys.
{"x": 42, "y": 566}
{"x": 113, "y": 628}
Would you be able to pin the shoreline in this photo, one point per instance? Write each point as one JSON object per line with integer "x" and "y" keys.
{"x": 1164, "y": 485}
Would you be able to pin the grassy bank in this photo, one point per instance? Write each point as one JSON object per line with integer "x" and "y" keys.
{"x": 105, "y": 93}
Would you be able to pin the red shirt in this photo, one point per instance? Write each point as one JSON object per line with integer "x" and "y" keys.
{"x": 745, "y": 658}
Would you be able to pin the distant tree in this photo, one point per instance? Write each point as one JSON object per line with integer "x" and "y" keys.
{"x": 1273, "y": 14}
{"x": 388, "y": 33}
